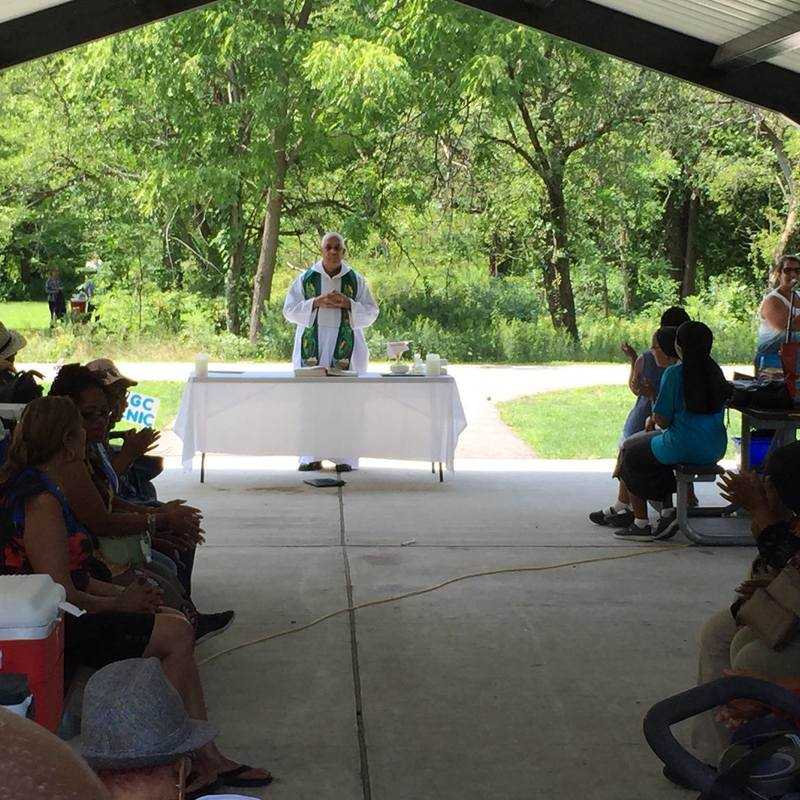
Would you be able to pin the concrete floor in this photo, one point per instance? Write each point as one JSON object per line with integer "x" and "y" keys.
{"x": 514, "y": 686}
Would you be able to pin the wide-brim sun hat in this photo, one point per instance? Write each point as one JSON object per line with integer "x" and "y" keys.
{"x": 134, "y": 718}
{"x": 11, "y": 342}
{"x": 108, "y": 373}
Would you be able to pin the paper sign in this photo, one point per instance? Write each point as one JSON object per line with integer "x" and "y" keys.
{"x": 141, "y": 410}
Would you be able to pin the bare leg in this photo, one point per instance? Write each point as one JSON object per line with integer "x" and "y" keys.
{"x": 172, "y": 642}
{"x": 638, "y": 506}
{"x": 622, "y": 494}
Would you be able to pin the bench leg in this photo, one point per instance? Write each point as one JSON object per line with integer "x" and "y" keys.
{"x": 202, "y": 468}
{"x": 698, "y": 537}
{"x": 441, "y": 473}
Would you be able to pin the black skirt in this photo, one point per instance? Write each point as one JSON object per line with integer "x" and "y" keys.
{"x": 643, "y": 474}
{"x": 95, "y": 640}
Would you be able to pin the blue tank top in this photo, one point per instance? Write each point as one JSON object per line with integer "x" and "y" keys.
{"x": 643, "y": 406}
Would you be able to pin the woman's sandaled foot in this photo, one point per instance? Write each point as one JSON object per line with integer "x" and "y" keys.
{"x": 244, "y": 776}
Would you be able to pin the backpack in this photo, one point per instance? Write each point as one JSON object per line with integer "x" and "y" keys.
{"x": 22, "y": 388}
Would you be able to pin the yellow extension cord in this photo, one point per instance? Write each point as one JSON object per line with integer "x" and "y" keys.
{"x": 396, "y": 598}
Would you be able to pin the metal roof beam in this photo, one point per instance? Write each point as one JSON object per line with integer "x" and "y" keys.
{"x": 655, "y": 47}
{"x": 762, "y": 44}
{"x": 69, "y": 24}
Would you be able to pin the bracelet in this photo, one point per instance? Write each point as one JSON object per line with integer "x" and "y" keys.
{"x": 151, "y": 525}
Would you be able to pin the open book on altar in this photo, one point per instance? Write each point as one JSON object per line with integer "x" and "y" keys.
{"x": 324, "y": 372}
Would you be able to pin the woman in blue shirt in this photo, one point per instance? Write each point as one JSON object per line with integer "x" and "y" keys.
{"x": 689, "y": 412}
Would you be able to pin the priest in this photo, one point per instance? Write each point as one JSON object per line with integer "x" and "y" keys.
{"x": 331, "y": 304}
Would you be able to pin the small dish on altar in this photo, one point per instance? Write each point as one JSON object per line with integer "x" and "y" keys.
{"x": 399, "y": 369}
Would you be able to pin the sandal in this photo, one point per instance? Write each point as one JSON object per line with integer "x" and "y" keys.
{"x": 231, "y": 778}
{"x": 209, "y": 788}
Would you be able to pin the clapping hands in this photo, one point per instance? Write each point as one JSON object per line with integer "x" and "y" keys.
{"x": 138, "y": 443}
{"x": 745, "y": 489}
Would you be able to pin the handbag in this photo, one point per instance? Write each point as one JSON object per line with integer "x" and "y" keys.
{"x": 135, "y": 551}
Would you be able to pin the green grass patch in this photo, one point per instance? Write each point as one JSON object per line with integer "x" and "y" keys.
{"x": 579, "y": 423}
{"x": 25, "y": 316}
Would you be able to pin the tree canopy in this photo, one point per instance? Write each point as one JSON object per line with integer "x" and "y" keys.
{"x": 206, "y": 154}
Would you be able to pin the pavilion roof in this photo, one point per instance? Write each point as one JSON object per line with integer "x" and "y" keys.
{"x": 748, "y": 49}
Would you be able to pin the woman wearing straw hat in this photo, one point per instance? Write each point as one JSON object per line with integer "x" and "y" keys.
{"x": 15, "y": 387}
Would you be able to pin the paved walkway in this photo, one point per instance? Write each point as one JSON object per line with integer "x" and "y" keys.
{"x": 481, "y": 387}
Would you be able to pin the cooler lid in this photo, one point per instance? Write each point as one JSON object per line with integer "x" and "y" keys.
{"x": 29, "y": 601}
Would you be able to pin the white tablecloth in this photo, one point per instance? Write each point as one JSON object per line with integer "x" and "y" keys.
{"x": 277, "y": 414}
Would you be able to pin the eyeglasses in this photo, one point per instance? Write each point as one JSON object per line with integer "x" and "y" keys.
{"x": 91, "y": 414}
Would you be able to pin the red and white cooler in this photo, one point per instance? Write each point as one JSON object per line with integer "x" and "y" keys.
{"x": 32, "y": 640}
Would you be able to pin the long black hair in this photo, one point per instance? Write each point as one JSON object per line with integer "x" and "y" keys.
{"x": 705, "y": 389}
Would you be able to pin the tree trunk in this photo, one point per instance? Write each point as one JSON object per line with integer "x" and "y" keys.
{"x": 630, "y": 275}
{"x": 789, "y": 186}
{"x": 262, "y": 285}
{"x": 558, "y": 280}
{"x": 689, "y": 280}
{"x": 233, "y": 320}
{"x": 790, "y": 227}
{"x": 675, "y": 232}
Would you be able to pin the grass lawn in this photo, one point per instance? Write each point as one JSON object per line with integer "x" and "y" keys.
{"x": 579, "y": 423}
{"x": 26, "y": 316}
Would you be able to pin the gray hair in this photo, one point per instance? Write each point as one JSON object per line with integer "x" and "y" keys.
{"x": 332, "y": 235}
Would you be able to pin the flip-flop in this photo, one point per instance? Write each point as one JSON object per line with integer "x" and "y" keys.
{"x": 209, "y": 788}
{"x": 231, "y": 778}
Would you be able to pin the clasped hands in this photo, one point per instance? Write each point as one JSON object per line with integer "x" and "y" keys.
{"x": 183, "y": 525}
{"x": 332, "y": 300}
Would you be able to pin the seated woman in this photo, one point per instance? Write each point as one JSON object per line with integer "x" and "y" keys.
{"x": 662, "y": 354}
{"x": 90, "y": 493}
{"x": 15, "y": 386}
{"x": 132, "y": 464}
{"x": 775, "y": 307}
{"x": 726, "y": 641}
{"x": 46, "y": 538}
{"x": 689, "y": 412}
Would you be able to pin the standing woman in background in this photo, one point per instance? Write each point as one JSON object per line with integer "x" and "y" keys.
{"x": 775, "y": 307}
{"x": 54, "y": 288}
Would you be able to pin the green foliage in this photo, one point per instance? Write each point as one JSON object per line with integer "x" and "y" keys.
{"x": 402, "y": 125}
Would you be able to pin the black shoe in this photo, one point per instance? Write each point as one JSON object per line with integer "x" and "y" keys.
{"x": 667, "y": 527}
{"x": 312, "y": 466}
{"x": 209, "y": 625}
{"x": 343, "y": 468}
{"x": 613, "y": 520}
{"x": 633, "y": 533}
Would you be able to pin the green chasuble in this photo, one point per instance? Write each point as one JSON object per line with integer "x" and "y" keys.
{"x": 345, "y": 340}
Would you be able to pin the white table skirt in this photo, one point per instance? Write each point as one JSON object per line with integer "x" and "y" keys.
{"x": 277, "y": 414}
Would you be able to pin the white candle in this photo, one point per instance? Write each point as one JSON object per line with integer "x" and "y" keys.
{"x": 201, "y": 365}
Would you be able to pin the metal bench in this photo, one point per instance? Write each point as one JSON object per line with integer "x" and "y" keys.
{"x": 728, "y": 534}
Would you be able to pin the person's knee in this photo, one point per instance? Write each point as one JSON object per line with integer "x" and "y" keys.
{"x": 178, "y": 633}
{"x": 717, "y": 631}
